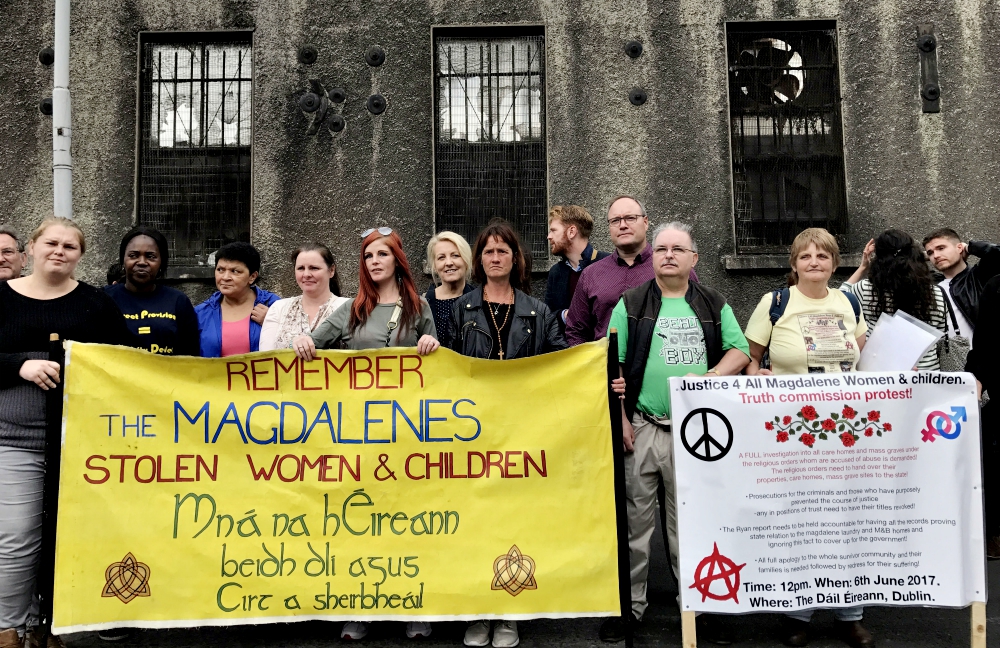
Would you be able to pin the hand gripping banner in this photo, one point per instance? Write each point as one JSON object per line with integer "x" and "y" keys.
{"x": 358, "y": 486}
{"x": 828, "y": 490}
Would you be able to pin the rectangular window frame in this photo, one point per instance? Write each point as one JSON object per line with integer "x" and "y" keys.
{"x": 183, "y": 268}
{"x": 755, "y": 257}
{"x": 540, "y": 262}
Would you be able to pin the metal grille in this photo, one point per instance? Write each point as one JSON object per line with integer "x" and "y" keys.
{"x": 194, "y": 174}
{"x": 787, "y": 141}
{"x": 490, "y": 134}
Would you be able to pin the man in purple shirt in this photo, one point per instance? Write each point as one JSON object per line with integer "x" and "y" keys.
{"x": 604, "y": 282}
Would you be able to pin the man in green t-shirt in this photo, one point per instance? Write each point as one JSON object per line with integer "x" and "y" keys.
{"x": 666, "y": 327}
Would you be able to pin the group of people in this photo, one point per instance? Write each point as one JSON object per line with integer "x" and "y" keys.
{"x": 480, "y": 305}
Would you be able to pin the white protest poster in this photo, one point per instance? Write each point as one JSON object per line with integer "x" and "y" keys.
{"x": 828, "y": 490}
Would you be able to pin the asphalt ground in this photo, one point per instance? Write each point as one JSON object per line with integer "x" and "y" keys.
{"x": 910, "y": 627}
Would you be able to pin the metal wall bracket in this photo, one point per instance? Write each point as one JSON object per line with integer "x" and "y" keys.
{"x": 930, "y": 91}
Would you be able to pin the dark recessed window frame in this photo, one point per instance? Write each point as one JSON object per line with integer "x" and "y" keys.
{"x": 786, "y": 133}
{"x": 194, "y": 142}
{"x": 490, "y": 150}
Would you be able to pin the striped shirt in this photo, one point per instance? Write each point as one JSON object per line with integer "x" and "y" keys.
{"x": 865, "y": 293}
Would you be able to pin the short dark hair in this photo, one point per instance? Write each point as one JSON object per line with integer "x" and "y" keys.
{"x": 9, "y": 231}
{"x": 520, "y": 275}
{"x": 942, "y": 232}
{"x": 242, "y": 252}
{"x": 158, "y": 238}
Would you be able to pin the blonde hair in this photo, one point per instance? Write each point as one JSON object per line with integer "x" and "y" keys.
{"x": 463, "y": 250}
{"x": 573, "y": 215}
{"x": 62, "y": 222}
{"x": 823, "y": 239}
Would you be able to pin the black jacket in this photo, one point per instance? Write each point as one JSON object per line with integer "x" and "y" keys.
{"x": 557, "y": 296}
{"x": 984, "y": 357}
{"x": 534, "y": 329}
{"x": 967, "y": 286}
{"x": 642, "y": 304}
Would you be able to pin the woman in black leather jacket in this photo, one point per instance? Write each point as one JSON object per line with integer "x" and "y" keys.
{"x": 500, "y": 320}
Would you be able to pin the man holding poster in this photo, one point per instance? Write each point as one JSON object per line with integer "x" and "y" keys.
{"x": 662, "y": 333}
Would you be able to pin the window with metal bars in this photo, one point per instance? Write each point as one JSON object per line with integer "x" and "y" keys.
{"x": 194, "y": 162}
{"x": 489, "y": 144}
{"x": 786, "y": 128}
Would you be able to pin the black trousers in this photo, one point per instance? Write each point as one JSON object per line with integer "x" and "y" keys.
{"x": 991, "y": 466}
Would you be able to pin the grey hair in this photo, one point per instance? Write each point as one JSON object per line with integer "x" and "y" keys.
{"x": 642, "y": 208}
{"x": 4, "y": 229}
{"x": 680, "y": 227}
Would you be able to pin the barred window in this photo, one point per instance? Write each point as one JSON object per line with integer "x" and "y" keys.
{"x": 194, "y": 161}
{"x": 489, "y": 147}
{"x": 786, "y": 128}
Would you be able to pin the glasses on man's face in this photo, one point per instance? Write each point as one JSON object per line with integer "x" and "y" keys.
{"x": 628, "y": 219}
{"x": 8, "y": 253}
{"x": 384, "y": 231}
{"x": 675, "y": 250}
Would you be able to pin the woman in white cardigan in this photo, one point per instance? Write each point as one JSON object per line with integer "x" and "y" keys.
{"x": 316, "y": 275}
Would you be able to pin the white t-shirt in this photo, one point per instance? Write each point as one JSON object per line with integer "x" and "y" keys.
{"x": 963, "y": 324}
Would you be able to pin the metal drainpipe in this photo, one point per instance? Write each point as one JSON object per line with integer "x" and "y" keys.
{"x": 62, "y": 161}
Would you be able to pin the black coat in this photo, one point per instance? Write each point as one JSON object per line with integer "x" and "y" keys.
{"x": 967, "y": 286}
{"x": 534, "y": 329}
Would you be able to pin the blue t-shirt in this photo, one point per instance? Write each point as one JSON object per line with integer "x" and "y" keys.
{"x": 162, "y": 321}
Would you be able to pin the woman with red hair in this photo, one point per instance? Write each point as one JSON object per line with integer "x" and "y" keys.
{"x": 388, "y": 311}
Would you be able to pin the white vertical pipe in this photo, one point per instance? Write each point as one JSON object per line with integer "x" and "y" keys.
{"x": 62, "y": 161}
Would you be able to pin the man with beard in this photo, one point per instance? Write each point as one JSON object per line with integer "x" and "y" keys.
{"x": 12, "y": 256}
{"x": 569, "y": 239}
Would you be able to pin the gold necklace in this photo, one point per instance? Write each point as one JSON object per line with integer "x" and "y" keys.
{"x": 493, "y": 317}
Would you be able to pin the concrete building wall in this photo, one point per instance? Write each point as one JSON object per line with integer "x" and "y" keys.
{"x": 904, "y": 168}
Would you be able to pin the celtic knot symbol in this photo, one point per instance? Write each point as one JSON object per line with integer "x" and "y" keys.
{"x": 714, "y": 568}
{"x": 127, "y": 579}
{"x": 514, "y": 572}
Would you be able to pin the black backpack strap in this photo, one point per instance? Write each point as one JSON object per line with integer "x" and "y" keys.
{"x": 855, "y": 304}
{"x": 951, "y": 312}
{"x": 779, "y": 302}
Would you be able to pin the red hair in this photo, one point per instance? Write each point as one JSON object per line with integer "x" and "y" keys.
{"x": 367, "y": 297}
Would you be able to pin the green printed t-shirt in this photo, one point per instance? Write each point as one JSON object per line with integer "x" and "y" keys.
{"x": 677, "y": 349}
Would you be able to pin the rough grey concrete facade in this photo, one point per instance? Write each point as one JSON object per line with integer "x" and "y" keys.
{"x": 904, "y": 168}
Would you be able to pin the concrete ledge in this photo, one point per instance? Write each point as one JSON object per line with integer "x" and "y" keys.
{"x": 756, "y": 262}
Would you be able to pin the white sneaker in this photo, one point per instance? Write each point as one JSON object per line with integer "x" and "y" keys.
{"x": 477, "y": 634}
{"x": 505, "y": 634}
{"x": 354, "y": 630}
{"x": 416, "y": 629}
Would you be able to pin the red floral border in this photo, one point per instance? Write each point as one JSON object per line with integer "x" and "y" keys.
{"x": 846, "y": 426}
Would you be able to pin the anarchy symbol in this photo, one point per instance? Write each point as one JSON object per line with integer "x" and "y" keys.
{"x": 710, "y": 423}
{"x": 713, "y": 568}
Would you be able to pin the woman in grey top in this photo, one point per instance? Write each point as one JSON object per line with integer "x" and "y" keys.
{"x": 388, "y": 311}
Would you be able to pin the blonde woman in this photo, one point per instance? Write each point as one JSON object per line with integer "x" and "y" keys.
{"x": 450, "y": 260}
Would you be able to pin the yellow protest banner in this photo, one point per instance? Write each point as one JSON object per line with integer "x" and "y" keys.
{"x": 359, "y": 486}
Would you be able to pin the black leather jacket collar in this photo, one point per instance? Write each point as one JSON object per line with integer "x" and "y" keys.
{"x": 533, "y": 330}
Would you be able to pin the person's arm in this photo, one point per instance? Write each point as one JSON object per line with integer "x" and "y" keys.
{"x": 732, "y": 363}
{"x": 554, "y": 340}
{"x": 862, "y": 270}
{"x": 579, "y": 324}
{"x": 734, "y": 343}
{"x": 984, "y": 356}
{"x": 758, "y": 335}
{"x": 756, "y": 355}
{"x": 427, "y": 330}
{"x": 989, "y": 259}
{"x": 272, "y": 324}
{"x": 109, "y": 327}
{"x": 329, "y": 333}
{"x": 188, "y": 337}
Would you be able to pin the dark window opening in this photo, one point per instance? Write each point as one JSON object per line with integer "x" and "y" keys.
{"x": 786, "y": 128}
{"x": 489, "y": 145}
{"x": 196, "y": 94}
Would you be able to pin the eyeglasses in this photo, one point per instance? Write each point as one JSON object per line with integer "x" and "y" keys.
{"x": 384, "y": 231}
{"x": 8, "y": 253}
{"x": 629, "y": 219}
{"x": 676, "y": 250}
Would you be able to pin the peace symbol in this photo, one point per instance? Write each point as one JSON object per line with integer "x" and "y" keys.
{"x": 707, "y": 446}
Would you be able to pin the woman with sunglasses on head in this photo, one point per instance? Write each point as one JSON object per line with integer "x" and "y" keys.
{"x": 501, "y": 321}
{"x": 230, "y": 320}
{"x": 161, "y": 318}
{"x": 316, "y": 274}
{"x": 388, "y": 312}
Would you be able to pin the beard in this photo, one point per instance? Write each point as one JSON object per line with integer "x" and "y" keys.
{"x": 559, "y": 247}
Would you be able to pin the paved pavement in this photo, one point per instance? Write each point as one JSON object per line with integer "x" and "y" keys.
{"x": 894, "y": 627}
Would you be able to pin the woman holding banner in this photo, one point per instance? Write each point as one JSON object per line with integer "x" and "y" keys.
{"x": 450, "y": 260}
{"x": 810, "y": 328}
{"x": 388, "y": 311}
{"x": 47, "y": 301}
{"x": 500, "y": 321}
{"x": 316, "y": 275}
